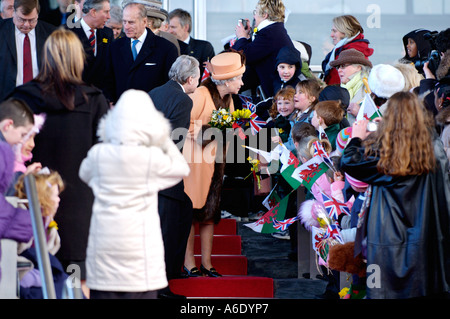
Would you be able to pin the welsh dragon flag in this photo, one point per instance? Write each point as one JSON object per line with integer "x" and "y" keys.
{"x": 309, "y": 172}
{"x": 368, "y": 110}
{"x": 265, "y": 224}
{"x": 289, "y": 163}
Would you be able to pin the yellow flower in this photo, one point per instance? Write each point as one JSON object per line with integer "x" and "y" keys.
{"x": 280, "y": 130}
{"x": 105, "y": 40}
{"x": 53, "y": 224}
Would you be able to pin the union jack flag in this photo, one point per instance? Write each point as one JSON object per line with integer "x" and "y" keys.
{"x": 334, "y": 208}
{"x": 284, "y": 224}
{"x": 206, "y": 74}
{"x": 320, "y": 151}
{"x": 256, "y": 123}
{"x": 333, "y": 232}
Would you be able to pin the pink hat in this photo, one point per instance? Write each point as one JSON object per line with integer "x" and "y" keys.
{"x": 225, "y": 66}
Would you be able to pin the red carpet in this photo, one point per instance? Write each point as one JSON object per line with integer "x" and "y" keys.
{"x": 227, "y": 258}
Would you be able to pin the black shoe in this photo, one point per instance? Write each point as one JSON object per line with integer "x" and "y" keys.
{"x": 170, "y": 295}
{"x": 194, "y": 272}
{"x": 328, "y": 295}
{"x": 210, "y": 273}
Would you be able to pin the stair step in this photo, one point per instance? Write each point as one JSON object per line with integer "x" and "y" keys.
{"x": 222, "y": 245}
{"x": 226, "y": 226}
{"x": 235, "y": 265}
{"x": 224, "y": 287}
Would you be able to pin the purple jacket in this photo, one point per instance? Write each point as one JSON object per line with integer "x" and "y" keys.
{"x": 15, "y": 223}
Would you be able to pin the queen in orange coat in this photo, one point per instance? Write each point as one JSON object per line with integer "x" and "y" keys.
{"x": 204, "y": 183}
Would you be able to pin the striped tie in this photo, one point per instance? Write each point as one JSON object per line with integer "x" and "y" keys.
{"x": 92, "y": 40}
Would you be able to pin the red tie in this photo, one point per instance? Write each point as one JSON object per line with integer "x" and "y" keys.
{"x": 27, "y": 64}
{"x": 92, "y": 40}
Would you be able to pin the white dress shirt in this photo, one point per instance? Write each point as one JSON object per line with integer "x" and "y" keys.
{"x": 140, "y": 43}
{"x": 19, "y": 51}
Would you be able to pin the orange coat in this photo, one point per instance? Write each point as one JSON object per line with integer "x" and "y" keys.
{"x": 200, "y": 159}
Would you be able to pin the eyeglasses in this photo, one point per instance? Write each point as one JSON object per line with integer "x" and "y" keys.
{"x": 255, "y": 12}
{"x": 343, "y": 66}
{"x": 23, "y": 21}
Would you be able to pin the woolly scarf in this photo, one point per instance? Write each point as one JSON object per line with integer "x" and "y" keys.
{"x": 354, "y": 85}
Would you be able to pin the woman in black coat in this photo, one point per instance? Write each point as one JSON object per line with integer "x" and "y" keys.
{"x": 73, "y": 112}
{"x": 406, "y": 224}
{"x": 261, "y": 52}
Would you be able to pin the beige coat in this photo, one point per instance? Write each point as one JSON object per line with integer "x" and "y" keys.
{"x": 200, "y": 159}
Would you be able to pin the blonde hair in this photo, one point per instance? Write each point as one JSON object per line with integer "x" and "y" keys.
{"x": 62, "y": 65}
{"x": 275, "y": 9}
{"x": 44, "y": 182}
{"x": 348, "y": 25}
{"x": 412, "y": 76}
{"x": 403, "y": 139}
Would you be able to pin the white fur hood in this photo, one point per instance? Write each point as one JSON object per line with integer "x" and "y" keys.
{"x": 134, "y": 120}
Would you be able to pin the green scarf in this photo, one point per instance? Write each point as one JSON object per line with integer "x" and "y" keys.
{"x": 354, "y": 85}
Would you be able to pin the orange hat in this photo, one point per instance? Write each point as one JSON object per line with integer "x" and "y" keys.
{"x": 226, "y": 65}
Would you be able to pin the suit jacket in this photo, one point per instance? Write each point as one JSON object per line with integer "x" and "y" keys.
{"x": 8, "y": 54}
{"x": 55, "y": 16}
{"x": 96, "y": 66}
{"x": 261, "y": 53}
{"x": 202, "y": 50}
{"x": 176, "y": 106}
{"x": 150, "y": 70}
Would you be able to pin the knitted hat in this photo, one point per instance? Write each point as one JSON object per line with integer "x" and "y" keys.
{"x": 335, "y": 93}
{"x": 351, "y": 56}
{"x": 386, "y": 80}
{"x": 226, "y": 65}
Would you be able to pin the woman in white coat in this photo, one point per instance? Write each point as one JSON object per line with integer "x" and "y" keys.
{"x": 136, "y": 159}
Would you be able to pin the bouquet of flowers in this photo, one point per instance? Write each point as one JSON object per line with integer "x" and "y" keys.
{"x": 242, "y": 121}
{"x": 254, "y": 170}
{"x": 221, "y": 119}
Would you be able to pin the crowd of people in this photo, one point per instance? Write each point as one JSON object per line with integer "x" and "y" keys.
{"x": 110, "y": 107}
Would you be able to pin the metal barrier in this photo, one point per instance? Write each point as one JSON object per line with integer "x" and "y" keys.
{"x": 40, "y": 242}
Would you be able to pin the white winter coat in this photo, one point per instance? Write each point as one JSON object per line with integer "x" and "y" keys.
{"x": 135, "y": 160}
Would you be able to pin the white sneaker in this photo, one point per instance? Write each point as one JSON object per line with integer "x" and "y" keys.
{"x": 225, "y": 214}
{"x": 284, "y": 234}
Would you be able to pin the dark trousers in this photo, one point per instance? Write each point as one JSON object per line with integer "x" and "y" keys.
{"x": 176, "y": 221}
{"x": 101, "y": 294}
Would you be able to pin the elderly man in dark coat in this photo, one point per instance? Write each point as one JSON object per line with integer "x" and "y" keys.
{"x": 175, "y": 207}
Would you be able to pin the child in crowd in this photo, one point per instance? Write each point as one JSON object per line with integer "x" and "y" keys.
{"x": 16, "y": 120}
{"x": 328, "y": 115}
{"x": 136, "y": 159}
{"x": 49, "y": 185}
{"x": 305, "y": 99}
{"x": 23, "y": 151}
{"x": 289, "y": 67}
{"x": 282, "y": 108}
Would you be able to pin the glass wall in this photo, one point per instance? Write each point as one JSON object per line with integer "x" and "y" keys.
{"x": 385, "y": 22}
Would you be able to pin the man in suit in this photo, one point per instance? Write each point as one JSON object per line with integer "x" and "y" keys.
{"x": 96, "y": 40}
{"x": 175, "y": 207}
{"x": 7, "y": 9}
{"x": 21, "y": 46}
{"x": 180, "y": 24}
{"x": 59, "y": 15}
{"x": 141, "y": 60}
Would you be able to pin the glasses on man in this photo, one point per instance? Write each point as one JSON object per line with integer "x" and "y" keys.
{"x": 23, "y": 21}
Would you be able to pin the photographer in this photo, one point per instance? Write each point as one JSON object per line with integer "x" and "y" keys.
{"x": 437, "y": 69}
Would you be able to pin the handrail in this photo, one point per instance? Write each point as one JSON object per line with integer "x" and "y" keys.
{"x": 48, "y": 287}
